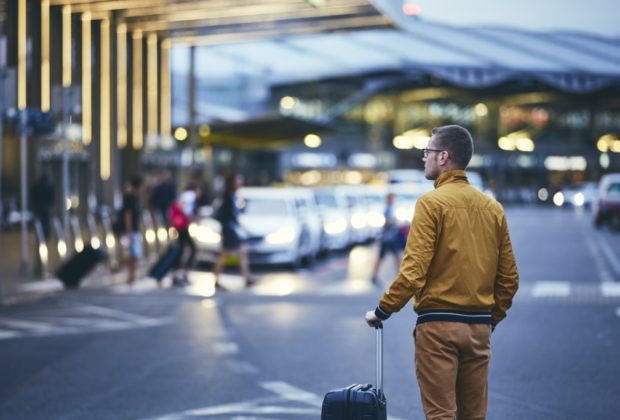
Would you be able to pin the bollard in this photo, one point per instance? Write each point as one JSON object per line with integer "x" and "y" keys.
{"x": 78, "y": 241}
{"x": 42, "y": 250}
{"x": 61, "y": 239}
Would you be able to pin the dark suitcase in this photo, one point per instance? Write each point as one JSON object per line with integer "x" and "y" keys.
{"x": 359, "y": 401}
{"x": 165, "y": 262}
{"x": 72, "y": 271}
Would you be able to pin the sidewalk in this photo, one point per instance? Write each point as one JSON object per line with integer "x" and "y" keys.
{"x": 17, "y": 286}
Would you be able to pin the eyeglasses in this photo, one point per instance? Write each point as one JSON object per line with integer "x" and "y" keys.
{"x": 427, "y": 151}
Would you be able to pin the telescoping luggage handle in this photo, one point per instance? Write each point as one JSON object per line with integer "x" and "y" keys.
{"x": 379, "y": 329}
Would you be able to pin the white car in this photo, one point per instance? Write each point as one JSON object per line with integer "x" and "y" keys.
{"x": 405, "y": 197}
{"x": 335, "y": 217}
{"x": 282, "y": 227}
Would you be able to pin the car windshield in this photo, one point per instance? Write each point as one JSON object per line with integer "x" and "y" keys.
{"x": 264, "y": 206}
{"x": 614, "y": 189}
{"x": 326, "y": 200}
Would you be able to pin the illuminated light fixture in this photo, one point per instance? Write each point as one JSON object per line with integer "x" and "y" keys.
{"x": 137, "y": 133}
{"x": 543, "y": 194}
{"x": 312, "y": 140}
{"x": 506, "y": 143}
{"x": 519, "y": 140}
{"x": 481, "y": 110}
{"x": 165, "y": 95}
{"x": 21, "y": 55}
{"x": 615, "y": 146}
{"x": 180, "y": 134}
{"x": 66, "y": 45}
{"x": 121, "y": 86}
{"x": 566, "y": 163}
{"x": 525, "y": 144}
{"x": 105, "y": 142}
{"x": 602, "y": 145}
{"x": 558, "y": 199}
{"x": 204, "y": 130}
{"x": 45, "y": 56}
{"x": 87, "y": 84}
{"x": 420, "y": 137}
{"x": 288, "y": 102}
{"x": 403, "y": 142}
{"x": 604, "y": 160}
{"x": 411, "y": 9}
{"x": 151, "y": 83}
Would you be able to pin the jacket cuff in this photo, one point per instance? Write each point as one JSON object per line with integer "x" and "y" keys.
{"x": 381, "y": 314}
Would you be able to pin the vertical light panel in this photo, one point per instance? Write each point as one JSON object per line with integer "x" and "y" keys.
{"x": 121, "y": 86}
{"x": 137, "y": 132}
{"x": 87, "y": 85}
{"x": 21, "y": 55}
{"x": 164, "y": 98}
{"x": 151, "y": 53}
{"x": 105, "y": 141}
{"x": 66, "y": 45}
{"x": 45, "y": 56}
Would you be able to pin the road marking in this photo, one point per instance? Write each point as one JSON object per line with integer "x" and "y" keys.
{"x": 551, "y": 288}
{"x": 609, "y": 254}
{"x": 610, "y": 289}
{"x": 253, "y": 409}
{"x": 291, "y": 393}
{"x": 100, "y": 319}
{"x": 224, "y": 348}
{"x": 599, "y": 261}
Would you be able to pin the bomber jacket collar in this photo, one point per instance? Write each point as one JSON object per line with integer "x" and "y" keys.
{"x": 457, "y": 175}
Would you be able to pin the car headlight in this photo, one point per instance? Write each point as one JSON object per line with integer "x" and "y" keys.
{"x": 558, "y": 199}
{"x": 335, "y": 227}
{"x": 579, "y": 199}
{"x": 404, "y": 214}
{"x": 205, "y": 234}
{"x": 376, "y": 220}
{"x": 283, "y": 235}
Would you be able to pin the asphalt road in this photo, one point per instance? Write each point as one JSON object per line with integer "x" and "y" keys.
{"x": 271, "y": 352}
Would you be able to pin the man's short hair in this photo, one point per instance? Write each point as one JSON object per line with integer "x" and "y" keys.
{"x": 457, "y": 141}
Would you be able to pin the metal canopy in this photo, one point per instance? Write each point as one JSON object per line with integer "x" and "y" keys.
{"x": 215, "y": 21}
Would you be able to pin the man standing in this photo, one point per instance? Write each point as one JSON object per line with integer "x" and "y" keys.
{"x": 460, "y": 270}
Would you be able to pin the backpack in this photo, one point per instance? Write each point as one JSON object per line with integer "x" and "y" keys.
{"x": 178, "y": 218}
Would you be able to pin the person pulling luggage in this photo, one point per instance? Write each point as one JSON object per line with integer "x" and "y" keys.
{"x": 460, "y": 270}
{"x": 181, "y": 215}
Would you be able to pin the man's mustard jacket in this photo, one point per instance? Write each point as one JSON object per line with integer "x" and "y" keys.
{"x": 458, "y": 262}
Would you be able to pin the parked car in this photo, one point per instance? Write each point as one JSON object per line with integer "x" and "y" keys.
{"x": 607, "y": 208}
{"x": 335, "y": 217}
{"x": 282, "y": 226}
{"x": 582, "y": 195}
{"x": 405, "y": 197}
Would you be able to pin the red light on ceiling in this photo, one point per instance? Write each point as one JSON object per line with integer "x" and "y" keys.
{"x": 412, "y": 9}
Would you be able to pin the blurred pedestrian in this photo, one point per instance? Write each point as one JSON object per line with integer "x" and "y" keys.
{"x": 163, "y": 194}
{"x": 182, "y": 213}
{"x": 390, "y": 239}
{"x": 130, "y": 227}
{"x": 460, "y": 270}
{"x": 42, "y": 197}
{"x": 232, "y": 232}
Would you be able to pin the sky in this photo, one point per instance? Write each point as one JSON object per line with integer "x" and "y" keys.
{"x": 601, "y": 17}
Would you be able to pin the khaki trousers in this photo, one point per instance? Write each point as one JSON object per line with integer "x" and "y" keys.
{"x": 452, "y": 367}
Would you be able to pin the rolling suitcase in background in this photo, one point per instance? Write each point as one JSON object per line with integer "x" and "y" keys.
{"x": 72, "y": 271}
{"x": 165, "y": 262}
{"x": 358, "y": 401}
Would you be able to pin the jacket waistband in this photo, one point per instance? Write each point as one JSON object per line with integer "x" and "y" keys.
{"x": 454, "y": 316}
